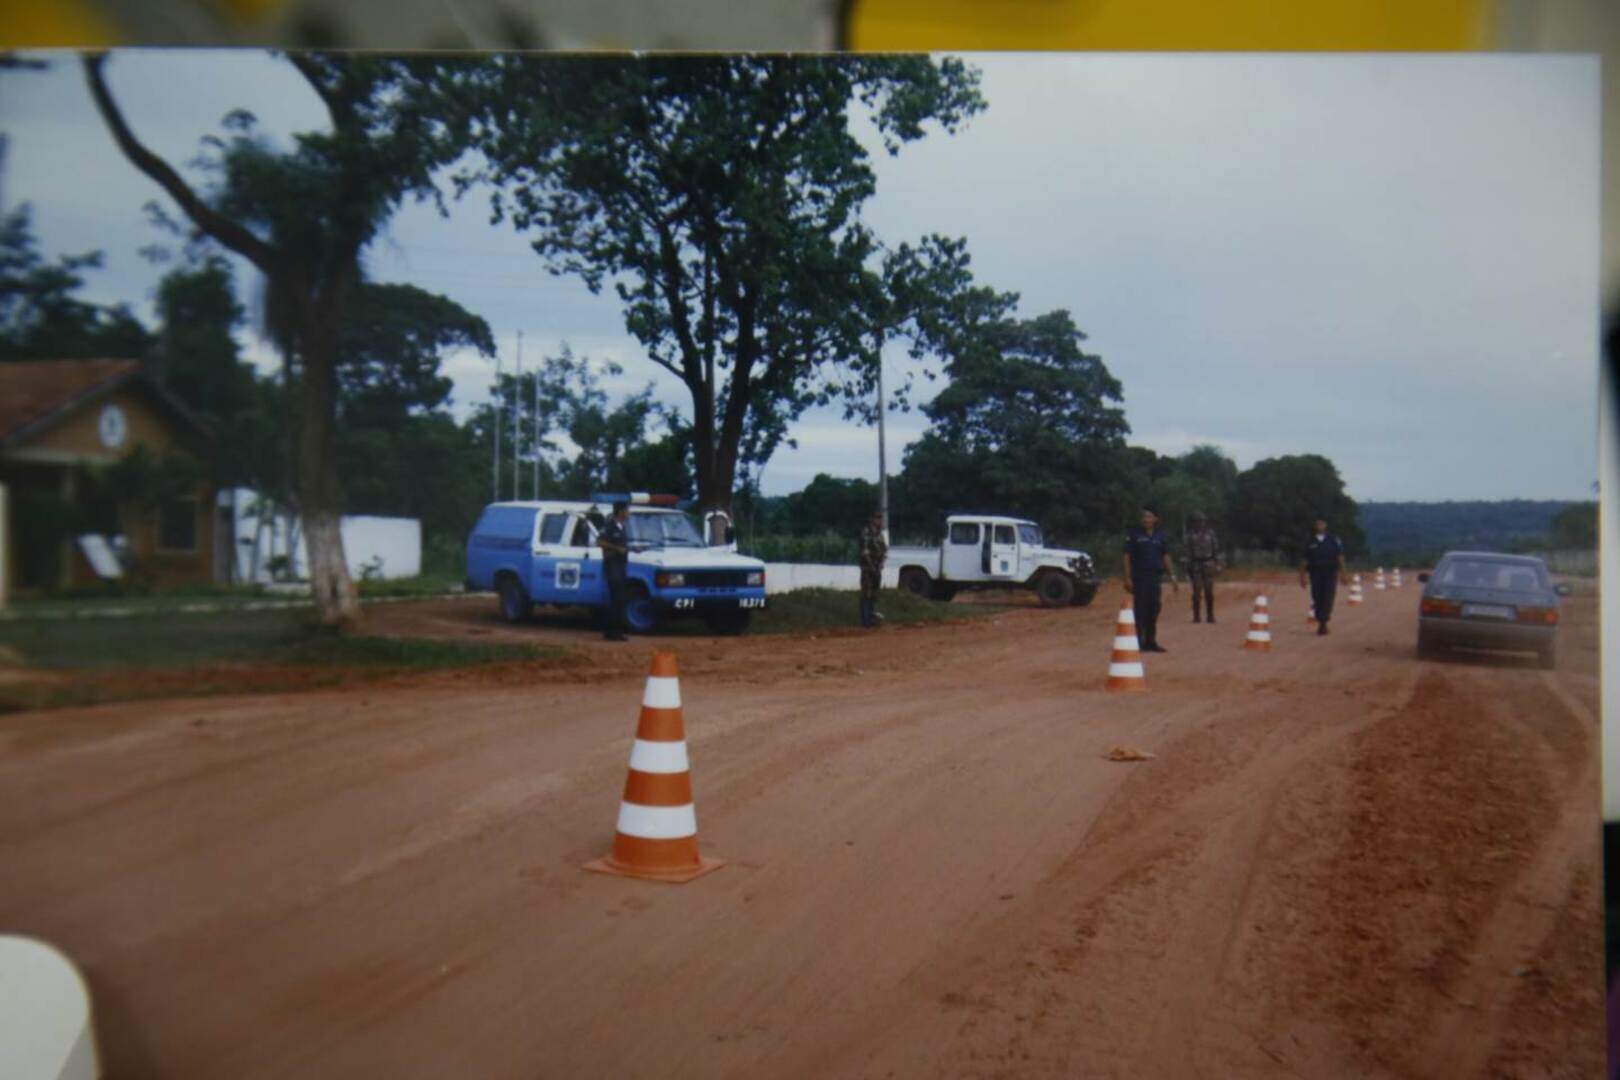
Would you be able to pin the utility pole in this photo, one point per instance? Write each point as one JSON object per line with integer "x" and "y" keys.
{"x": 537, "y": 434}
{"x": 496, "y": 409}
{"x": 883, "y": 461}
{"x": 517, "y": 420}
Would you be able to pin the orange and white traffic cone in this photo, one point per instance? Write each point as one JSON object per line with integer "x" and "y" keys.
{"x": 1355, "y": 589}
{"x": 1396, "y": 581}
{"x": 657, "y": 832}
{"x": 1125, "y": 664}
{"x": 1259, "y": 638}
{"x": 1378, "y": 582}
{"x": 1310, "y": 613}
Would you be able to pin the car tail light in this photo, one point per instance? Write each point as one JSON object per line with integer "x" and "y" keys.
{"x": 1545, "y": 616}
{"x": 1433, "y": 606}
{"x": 669, "y": 581}
{"x": 756, "y": 577}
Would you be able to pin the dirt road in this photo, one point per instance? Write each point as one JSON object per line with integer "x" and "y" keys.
{"x": 1341, "y": 861}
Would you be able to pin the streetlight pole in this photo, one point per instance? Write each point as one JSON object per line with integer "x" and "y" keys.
{"x": 495, "y": 465}
{"x": 883, "y": 461}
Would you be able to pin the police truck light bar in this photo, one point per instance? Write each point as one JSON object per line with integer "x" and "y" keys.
{"x": 637, "y": 498}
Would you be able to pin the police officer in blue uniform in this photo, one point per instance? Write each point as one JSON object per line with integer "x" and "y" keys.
{"x": 1147, "y": 560}
{"x": 615, "y": 543}
{"x": 1324, "y": 567}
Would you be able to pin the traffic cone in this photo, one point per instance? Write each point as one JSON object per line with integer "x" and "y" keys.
{"x": 1397, "y": 579}
{"x": 657, "y": 831}
{"x": 1259, "y": 638}
{"x": 1355, "y": 589}
{"x": 1310, "y": 614}
{"x": 1125, "y": 665}
{"x": 1378, "y": 582}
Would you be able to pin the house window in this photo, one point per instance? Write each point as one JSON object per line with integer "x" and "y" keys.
{"x": 177, "y": 525}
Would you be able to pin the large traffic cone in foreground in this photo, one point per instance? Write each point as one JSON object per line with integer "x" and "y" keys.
{"x": 1355, "y": 589}
{"x": 657, "y": 833}
{"x": 1259, "y": 637}
{"x": 1125, "y": 665}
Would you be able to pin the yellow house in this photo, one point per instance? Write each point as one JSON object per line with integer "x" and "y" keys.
{"x": 72, "y": 433}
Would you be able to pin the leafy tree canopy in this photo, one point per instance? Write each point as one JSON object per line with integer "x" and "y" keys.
{"x": 43, "y": 317}
{"x": 720, "y": 196}
{"x": 1279, "y": 498}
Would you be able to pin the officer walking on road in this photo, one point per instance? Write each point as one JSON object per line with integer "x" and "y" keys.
{"x": 1203, "y": 563}
{"x": 1324, "y": 568}
{"x": 615, "y": 542}
{"x": 1147, "y": 558}
{"x": 874, "y": 550}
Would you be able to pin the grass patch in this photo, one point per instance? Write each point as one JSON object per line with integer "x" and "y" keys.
{"x": 86, "y": 661}
{"x": 826, "y": 609}
{"x": 421, "y": 585}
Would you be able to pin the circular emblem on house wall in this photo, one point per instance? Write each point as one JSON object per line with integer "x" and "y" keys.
{"x": 112, "y": 427}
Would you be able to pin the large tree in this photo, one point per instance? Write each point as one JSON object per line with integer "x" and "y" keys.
{"x": 197, "y": 357}
{"x": 399, "y": 451}
{"x": 721, "y": 197}
{"x": 303, "y": 217}
{"x": 1027, "y": 425}
{"x": 42, "y": 314}
{"x": 1278, "y": 499}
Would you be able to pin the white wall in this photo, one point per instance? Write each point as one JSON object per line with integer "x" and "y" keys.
{"x": 785, "y": 577}
{"x": 396, "y": 541}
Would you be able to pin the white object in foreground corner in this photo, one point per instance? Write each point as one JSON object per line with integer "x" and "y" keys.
{"x": 44, "y": 1014}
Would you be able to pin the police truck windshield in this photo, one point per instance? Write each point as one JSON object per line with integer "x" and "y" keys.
{"x": 1030, "y": 535}
{"x": 663, "y": 530}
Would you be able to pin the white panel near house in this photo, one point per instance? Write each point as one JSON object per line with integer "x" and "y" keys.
{"x": 393, "y": 546}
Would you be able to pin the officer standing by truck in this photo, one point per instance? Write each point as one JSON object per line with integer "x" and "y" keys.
{"x": 874, "y": 550}
{"x": 1147, "y": 559}
{"x": 1324, "y": 566}
{"x": 615, "y": 543}
{"x": 1203, "y": 563}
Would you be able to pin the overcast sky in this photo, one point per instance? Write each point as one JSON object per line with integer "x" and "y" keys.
{"x": 1388, "y": 260}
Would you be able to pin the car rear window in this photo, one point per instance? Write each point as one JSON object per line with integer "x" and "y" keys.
{"x": 507, "y": 523}
{"x": 1491, "y": 574}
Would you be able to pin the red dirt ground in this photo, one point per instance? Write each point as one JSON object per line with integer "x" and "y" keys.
{"x": 1340, "y": 861}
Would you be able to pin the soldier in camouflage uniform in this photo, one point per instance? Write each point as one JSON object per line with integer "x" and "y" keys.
{"x": 874, "y": 549}
{"x": 1203, "y": 563}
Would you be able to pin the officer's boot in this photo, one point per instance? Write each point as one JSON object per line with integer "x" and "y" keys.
{"x": 1209, "y": 606}
{"x": 1195, "y": 606}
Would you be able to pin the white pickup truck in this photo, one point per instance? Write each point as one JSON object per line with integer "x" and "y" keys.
{"x": 987, "y": 552}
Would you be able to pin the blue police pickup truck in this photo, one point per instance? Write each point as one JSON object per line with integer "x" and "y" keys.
{"x": 546, "y": 553}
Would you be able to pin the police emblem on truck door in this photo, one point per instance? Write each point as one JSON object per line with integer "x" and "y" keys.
{"x": 568, "y": 575}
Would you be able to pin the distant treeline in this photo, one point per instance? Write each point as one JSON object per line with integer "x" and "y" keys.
{"x": 1417, "y": 531}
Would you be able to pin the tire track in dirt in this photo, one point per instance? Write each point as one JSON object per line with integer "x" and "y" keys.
{"x": 1530, "y": 909}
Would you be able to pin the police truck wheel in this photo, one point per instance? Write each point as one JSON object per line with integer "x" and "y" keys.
{"x": 640, "y": 613}
{"x": 916, "y": 582}
{"x": 514, "y": 601}
{"x": 1055, "y": 590}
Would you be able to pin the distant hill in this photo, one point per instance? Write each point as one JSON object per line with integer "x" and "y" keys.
{"x": 1412, "y": 529}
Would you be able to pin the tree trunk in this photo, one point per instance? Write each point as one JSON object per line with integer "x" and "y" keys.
{"x": 337, "y": 601}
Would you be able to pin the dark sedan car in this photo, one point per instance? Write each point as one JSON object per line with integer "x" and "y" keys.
{"x": 1487, "y": 601}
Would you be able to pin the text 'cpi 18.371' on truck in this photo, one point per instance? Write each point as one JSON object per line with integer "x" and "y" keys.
{"x": 989, "y": 552}
{"x": 547, "y": 553}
